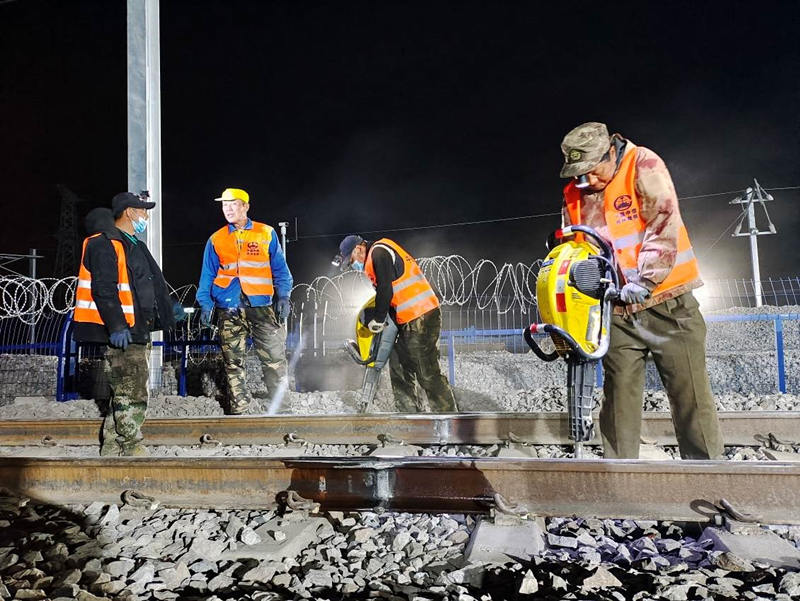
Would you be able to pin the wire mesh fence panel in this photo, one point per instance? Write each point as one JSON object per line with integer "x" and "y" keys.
{"x": 721, "y": 295}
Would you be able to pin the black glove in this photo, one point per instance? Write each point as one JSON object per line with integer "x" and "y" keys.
{"x": 120, "y": 339}
{"x": 205, "y": 318}
{"x": 282, "y": 308}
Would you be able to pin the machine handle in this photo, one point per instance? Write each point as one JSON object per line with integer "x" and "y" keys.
{"x": 571, "y": 342}
{"x": 352, "y": 348}
{"x": 527, "y": 333}
{"x": 572, "y": 229}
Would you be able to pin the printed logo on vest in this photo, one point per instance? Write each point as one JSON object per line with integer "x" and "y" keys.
{"x": 252, "y": 248}
{"x": 623, "y": 202}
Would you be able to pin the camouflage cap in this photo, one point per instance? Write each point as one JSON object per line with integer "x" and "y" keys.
{"x": 583, "y": 148}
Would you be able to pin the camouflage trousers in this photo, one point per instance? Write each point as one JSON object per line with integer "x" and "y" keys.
{"x": 127, "y": 373}
{"x": 415, "y": 358}
{"x": 269, "y": 341}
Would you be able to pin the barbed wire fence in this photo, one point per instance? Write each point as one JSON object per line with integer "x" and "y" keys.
{"x": 31, "y": 309}
{"x": 479, "y": 297}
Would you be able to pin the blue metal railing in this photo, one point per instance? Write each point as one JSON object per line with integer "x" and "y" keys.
{"x": 777, "y": 320}
{"x": 67, "y": 350}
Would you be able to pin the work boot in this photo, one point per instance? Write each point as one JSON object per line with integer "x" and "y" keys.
{"x": 239, "y": 409}
{"x": 110, "y": 448}
{"x": 134, "y": 449}
{"x": 241, "y": 405}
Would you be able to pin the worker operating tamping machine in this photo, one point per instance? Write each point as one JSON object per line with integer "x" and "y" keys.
{"x": 371, "y": 350}
{"x": 575, "y": 289}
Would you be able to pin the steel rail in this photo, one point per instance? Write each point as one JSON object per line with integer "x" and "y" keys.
{"x": 738, "y": 428}
{"x": 685, "y": 490}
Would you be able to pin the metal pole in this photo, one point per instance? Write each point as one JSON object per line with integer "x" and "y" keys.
{"x": 144, "y": 128}
{"x": 750, "y": 196}
{"x": 283, "y": 225}
{"x": 751, "y": 226}
{"x": 34, "y": 291}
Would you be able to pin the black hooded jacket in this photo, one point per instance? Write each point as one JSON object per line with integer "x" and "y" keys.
{"x": 152, "y": 305}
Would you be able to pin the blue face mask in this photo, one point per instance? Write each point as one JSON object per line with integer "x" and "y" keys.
{"x": 357, "y": 266}
{"x": 140, "y": 225}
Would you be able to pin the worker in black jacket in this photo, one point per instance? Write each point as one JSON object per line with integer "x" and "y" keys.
{"x": 403, "y": 294}
{"x": 121, "y": 297}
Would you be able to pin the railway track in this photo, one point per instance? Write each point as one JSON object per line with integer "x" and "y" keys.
{"x": 739, "y": 428}
{"x": 681, "y": 490}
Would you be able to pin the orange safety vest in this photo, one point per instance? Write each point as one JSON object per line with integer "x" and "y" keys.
{"x": 412, "y": 295}
{"x": 244, "y": 254}
{"x": 85, "y": 308}
{"x": 626, "y": 226}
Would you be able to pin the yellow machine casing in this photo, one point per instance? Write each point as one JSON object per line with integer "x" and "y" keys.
{"x": 364, "y": 335}
{"x": 565, "y": 306}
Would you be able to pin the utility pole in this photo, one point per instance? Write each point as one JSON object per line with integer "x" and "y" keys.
{"x": 750, "y": 196}
{"x": 34, "y": 292}
{"x": 67, "y": 250}
{"x": 144, "y": 128}
{"x": 283, "y": 225}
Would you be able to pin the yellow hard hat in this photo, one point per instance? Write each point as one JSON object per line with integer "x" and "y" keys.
{"x": 234, "y": 194}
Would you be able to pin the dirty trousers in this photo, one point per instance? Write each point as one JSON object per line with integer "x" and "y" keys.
{"x": 415, "y": 358}
{"x": 674, "y": 332}
{"x": 127, "y": 373}
{"x": 269, "y": 341}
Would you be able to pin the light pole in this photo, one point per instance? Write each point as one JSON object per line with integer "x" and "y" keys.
{"x": 144, "y": 129}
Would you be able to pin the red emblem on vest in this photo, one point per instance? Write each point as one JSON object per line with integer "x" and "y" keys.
{"x": 252, "y": 248}
{"x": 622, "y": 203}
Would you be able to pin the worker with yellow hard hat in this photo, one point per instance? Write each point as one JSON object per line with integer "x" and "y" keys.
{"x": 246, "y": 279}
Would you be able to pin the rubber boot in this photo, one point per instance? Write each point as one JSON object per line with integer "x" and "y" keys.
{"x": 134, "y": 449}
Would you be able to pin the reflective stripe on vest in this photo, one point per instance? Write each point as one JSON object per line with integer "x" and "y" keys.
{"x": 626, "y": 227}
{"x": 244, "y": 254}
{"x": 412, "y": 295}
{"x": 85, "y": 307}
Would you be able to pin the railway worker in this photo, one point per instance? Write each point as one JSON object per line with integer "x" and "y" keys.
{"x": 121, "y": 297}
{"x": 625, "y": 192}
{"x": 246, "y": 278}
{"x": 403, "y": 292}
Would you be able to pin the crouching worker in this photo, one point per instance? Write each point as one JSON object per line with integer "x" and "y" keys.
{"x": 402, "y": 289}
{"x": 121, "y": 297}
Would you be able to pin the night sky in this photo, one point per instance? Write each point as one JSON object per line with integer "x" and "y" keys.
{"x": 355, "y": 116}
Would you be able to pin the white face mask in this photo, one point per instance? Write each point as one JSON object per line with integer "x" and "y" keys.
{"x": 357, "y": 266}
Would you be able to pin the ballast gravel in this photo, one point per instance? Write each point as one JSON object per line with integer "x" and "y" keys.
{"x": 344, "y": 402}
{"x": 105, "y": 552}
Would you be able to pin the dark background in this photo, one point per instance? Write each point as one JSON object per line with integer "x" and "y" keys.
{"x": 355, "y": 116}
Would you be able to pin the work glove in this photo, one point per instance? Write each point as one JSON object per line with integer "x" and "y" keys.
{"x": 373, "y": 321}
{"x": 282, "y": 308}
{"x": 633, "y": 294}
{"x": 120, "y": 339}
{"x": 376, "y": 327}
{"x": 178, "y": 312}
{"x": 205, "y": 318}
